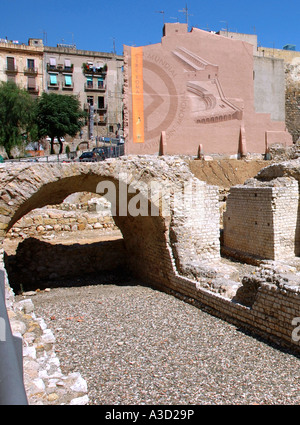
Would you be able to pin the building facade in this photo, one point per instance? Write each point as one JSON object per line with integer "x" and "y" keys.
{"x": 95, "y": 78}
{"x": 199, "y": 91}
{"x": 23, "y": 64}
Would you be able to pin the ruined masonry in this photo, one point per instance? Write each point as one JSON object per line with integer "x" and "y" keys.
{"x": 177, "y": 248}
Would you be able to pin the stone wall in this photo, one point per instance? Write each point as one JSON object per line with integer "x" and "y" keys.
{"x": 292, "y": 104}
{"x": 40, "y": 264}
{"x": 161, "y": 248}
{"x": 261, "y": 219}
{"x": 60, "y": 218}
{"x": 273, "y": 314}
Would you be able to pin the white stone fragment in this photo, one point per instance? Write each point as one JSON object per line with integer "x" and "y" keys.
{"x": 80, "y": 401}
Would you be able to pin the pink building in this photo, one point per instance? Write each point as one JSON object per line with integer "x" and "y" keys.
{"x": 195, "y": 89}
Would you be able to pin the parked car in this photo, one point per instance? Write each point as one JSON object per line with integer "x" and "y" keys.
{"x": 100, "y": 152}
{"x": 86, "y": 156}
{"x": 93, "y": 156}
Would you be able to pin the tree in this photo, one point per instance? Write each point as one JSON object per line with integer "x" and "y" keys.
{"x": 16, "y": 116}
{"x": 58, "y": 115}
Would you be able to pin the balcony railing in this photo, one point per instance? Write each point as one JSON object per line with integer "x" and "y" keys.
{"x": 52, "y": 86}
{"x": 93, "y": 70}
{"x": 11, "y": 70}
{"x": 94, "y": 87}
{"x": 33, "y": 90}
{"x": 31, "y": 71}
{"x": 68, "y": 87}
{"x": 60, "y": 68}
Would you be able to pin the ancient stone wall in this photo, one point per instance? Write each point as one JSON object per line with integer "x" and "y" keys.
{"x": 292, "y": 106}
{"x": 43, "y": 221}
{"x": 274, "y": 314}
{"x": 160, "y": 248}
{"x": 38, "y": 263}
{"x": 261, "y": 219}
{"x": 148, "y": 233}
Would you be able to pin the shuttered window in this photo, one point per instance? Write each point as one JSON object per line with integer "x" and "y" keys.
{"x": 89, "y": 81}
{"x": 10, "y": 64}
{"x": 68, "y": 80}
{"x": 31, "y": 83}
{"x": 53, "y": 79}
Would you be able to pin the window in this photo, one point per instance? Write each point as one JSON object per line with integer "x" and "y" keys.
{"x": 10, "y": 64}
{"x": 31, "y": 83}
{"x": 30, "y": 63}
{"x": 90, "y": 100}
{"x": 100, "y": 83}
{"x": 53, "y": 79}
{"x": 100, "y": 102}
{"x": 68, "y": 80}
{"x": 67, "y": 64}
{"x": 52, "y": 62}
{"x": 89, "y": 82}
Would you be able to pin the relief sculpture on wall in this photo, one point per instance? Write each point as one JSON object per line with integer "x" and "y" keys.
{"x": 208, "y": 103}
{"x": 194, "y": 89}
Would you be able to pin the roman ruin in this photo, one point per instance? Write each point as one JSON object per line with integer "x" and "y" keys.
{"x": 178, "y": 250}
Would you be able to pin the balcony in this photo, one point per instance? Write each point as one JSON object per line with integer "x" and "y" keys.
{"x": 100, "y": 108}
{"x": 93, "y": 70}
{"x": 60, "y": 68}
{"x": 52, "y": 86}
{"x": 11, "y": 70}
{"x": 30, "y": 71}
{"x": 69, "y": 87}
{"x": 33, "y": 90}
{"x": 95, "y": 87}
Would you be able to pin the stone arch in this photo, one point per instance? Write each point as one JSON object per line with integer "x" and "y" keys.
{"x": 157, "y": 244}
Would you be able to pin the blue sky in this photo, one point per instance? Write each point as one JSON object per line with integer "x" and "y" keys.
{"x": 100, "y": 24}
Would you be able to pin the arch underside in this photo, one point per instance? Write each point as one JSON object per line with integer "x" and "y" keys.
{"x": 151, "y": 253}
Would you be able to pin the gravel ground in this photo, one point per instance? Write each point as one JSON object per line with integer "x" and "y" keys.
{"x": 135, "y": 345}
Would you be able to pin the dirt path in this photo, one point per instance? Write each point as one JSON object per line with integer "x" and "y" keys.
{"x": 226, "y": 172}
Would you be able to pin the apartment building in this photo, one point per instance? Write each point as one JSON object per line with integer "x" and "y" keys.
{"x": 23, "y": 64}
{"x": 95, "y": 78}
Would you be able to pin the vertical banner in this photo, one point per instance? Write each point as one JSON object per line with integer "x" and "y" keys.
{"x": 137, "y": 94}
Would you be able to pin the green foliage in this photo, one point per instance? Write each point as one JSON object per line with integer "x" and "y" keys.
{"x": 16, "y": 116}
{"x": 58, "y": 115}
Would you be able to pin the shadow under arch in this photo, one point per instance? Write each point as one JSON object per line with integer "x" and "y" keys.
{"x": 145, "y": 236}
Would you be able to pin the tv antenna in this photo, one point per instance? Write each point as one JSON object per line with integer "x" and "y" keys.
{"x": 163, "y": 13}
{"x": 187, "y": 14}
{"x": 227, "y": 29}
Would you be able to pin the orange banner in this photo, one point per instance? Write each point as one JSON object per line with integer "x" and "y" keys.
{"x": 137, "y": 94}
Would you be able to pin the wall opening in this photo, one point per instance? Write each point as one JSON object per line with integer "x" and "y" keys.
{"x": 72, "y": 243}
{"x": 136, "y": 248}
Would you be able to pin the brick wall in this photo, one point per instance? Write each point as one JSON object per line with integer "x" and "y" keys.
{"x": 261, "y": 221}
{"x": 194, "y": 229}
{"x": 271, "y": 316}
{"x": 38, "y": 263}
